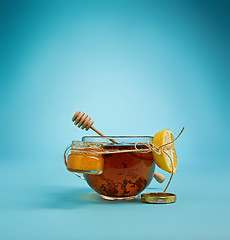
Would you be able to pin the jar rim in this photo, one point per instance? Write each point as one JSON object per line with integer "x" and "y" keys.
{"x": 124, "y": 136}
{"x": 117, "y": 139}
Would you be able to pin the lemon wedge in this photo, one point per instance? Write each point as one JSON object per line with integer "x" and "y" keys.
{"x": 162, "y": 160}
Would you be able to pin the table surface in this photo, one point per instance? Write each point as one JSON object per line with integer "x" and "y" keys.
{"x": 40, "y": 203}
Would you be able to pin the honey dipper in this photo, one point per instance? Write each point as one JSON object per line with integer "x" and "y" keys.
{"x": 83, "y": 121}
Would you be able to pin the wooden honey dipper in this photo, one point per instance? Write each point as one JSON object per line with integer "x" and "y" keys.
{"x": 83, "y": 121}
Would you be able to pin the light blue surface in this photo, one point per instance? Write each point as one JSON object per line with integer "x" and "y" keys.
{"x": 136, "y": 68}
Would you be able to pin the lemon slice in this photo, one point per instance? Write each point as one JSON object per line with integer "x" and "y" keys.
{"x": 162, "y": 160}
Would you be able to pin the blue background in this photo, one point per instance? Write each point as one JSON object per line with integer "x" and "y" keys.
{"x": 136, "y": 67}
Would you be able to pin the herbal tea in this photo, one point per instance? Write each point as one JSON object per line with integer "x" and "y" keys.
{"x": 124, "y": 174}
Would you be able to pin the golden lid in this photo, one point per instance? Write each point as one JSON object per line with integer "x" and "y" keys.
{"x": 158, "y": 197}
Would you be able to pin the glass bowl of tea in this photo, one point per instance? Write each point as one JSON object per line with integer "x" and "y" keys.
{"x": 117, "y": 171}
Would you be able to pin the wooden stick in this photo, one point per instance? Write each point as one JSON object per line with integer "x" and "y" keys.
{"x": 100, "y": 133}
{"x": 159, "y": 177}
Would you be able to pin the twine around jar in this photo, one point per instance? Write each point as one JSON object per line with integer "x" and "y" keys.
{"x": 149, "y": 148}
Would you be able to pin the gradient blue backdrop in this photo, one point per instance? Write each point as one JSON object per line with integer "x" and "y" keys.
{"x": 136, "y": 67}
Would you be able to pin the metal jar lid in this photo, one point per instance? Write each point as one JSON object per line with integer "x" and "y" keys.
{"x": 158, "y": 198}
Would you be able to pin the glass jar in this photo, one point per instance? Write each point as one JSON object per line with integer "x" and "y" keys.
{"x": 82, "y": 157}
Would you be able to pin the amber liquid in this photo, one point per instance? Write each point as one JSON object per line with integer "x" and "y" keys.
{"x": 124, "y": 174}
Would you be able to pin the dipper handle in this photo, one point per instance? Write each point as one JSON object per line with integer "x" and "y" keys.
{"x": 84, "y": 122}
{"x": 159, "y": 177}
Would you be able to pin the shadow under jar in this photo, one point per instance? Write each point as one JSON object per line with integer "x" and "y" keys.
{"x": 125, "y": 174}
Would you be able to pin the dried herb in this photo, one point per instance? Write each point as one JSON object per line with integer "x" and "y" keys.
{"x": 124, "y": 174}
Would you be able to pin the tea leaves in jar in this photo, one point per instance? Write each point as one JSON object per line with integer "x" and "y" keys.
{"x": 125, "y": 174}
